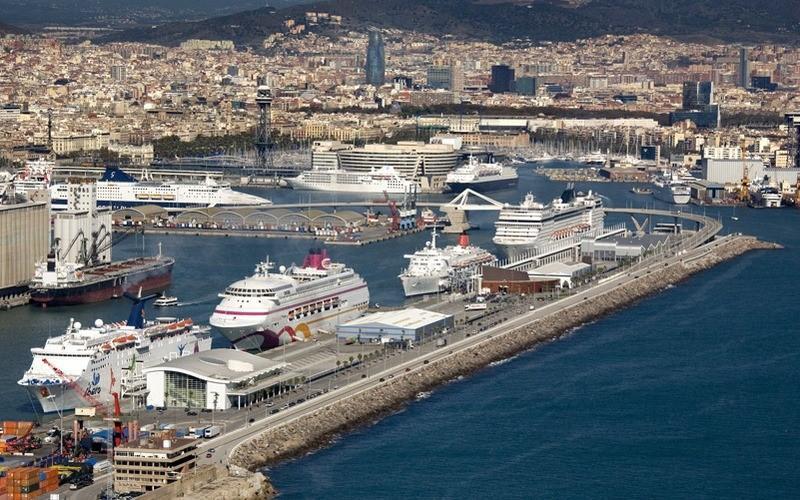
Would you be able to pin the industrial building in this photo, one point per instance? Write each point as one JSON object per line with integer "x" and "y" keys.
{"x": 25, "y": 236}
{"x": 622, "y": 248}
{"x": 500, "y": 280}
{"x": 730, "y": 171}
{"x": 402, "y": 325}
{"x": 218, "y": 379}
{"x": 152, "y": 462}
{"x": 566, "y": 273}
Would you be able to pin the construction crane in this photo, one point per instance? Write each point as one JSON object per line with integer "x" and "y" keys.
{"x": 744, "y": 185}
{"x": 394, "y": 212}
{"x": 73, "y": 385}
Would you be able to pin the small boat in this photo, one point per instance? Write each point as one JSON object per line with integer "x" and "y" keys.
{"x": 641, "y": 190}
{"x": 165, "y": 301}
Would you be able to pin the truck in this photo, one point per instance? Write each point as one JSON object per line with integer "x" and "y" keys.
{"x": 198, "y": 431}
{"x": 212, "y": 431}
{"x": 441, "y": 342}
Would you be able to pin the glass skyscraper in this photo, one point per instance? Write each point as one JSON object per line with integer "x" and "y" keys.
{"x": 376, "y": 65}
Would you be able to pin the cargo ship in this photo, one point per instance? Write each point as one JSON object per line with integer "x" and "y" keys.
{"x": 59, "y": 283}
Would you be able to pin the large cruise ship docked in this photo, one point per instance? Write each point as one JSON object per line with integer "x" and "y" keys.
{"x": 384, "y": 179}
{"x": 532, "y": 224}
{"x": 672, "y": 189}
{"x": 117, "y": 189}
{"x": 270, "y": 309}
{"x": 434, "y": 269}
{"x": 481, "y": 177}
{"x": 87, "y": 365}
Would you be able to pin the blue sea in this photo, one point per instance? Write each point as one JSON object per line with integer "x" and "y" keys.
{"x": 691, "y": 393}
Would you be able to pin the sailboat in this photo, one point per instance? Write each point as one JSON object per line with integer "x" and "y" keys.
{"x": 733, "y": 216}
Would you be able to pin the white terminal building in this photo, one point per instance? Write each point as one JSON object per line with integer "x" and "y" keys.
{"x": 393, "y": 326}
{"x": 218, "y": 379}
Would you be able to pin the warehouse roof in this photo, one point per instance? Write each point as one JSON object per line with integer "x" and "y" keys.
{"x": 411, "y": 318}
{"x": 224, "y": 365}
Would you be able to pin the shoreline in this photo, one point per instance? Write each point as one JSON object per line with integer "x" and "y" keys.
{"x": 317, "y": 430}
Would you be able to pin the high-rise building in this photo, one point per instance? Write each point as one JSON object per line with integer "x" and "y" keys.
{"x": 502, "y": 79}
{"x": 744, "y": 67}
{"x": 439, "y": 77}
{"x": 525, "y": 85}
{"x": 456, "y": 76}
{"x": 376, "y": 63}
{"x": 118, "y": 73}
{"x": 697, "y": 94}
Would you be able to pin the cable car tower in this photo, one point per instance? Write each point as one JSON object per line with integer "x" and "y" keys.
{"x": 263, "y": 137}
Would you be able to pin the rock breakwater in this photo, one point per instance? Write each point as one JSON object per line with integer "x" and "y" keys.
{"x": 317, "y": 429}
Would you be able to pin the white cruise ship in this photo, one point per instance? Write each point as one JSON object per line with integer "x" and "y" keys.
{"x": 531, "y": 224}
{"x": 384, "y": 179}
{"x": 671, "y": 188}
{"x": 117, "y": 189}
{"x": 434, "y": 269}
{"x": 36, "y": 176}
{"x": 481, "y": 177}
{"x": 86, "y": 366}
{"x": 270, "y": 309}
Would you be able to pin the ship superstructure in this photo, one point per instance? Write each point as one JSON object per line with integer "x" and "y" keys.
{"x": 672, "y": 188}
{"x": 269, "y": 308}
{"x": 482, "y": 177}
{"x": 87, "y": 365}
{"x": 532, "y": 224}
{"x": 378, "y": 180}
{"x": 117, "y": 189}
{"x": 36, "y": 176}
{"x": 452, "y": 268}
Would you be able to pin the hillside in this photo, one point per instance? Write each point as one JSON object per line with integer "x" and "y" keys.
{"x": 738, "y": 21}
{"x": 6, "y": 29}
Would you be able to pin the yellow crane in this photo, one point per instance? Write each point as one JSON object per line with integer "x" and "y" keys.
{"x": 744, "y": 185}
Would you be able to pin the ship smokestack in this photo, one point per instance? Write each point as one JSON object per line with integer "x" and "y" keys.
{"x": 463, "y": 240}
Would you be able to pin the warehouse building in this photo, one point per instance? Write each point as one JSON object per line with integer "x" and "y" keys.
{"x": 25, "y": 236}
{"x": 402, "y": 325}
{"x": 731, "y": 171}
{"x": 218, "y": 379}
{"x": 566, "y": 274}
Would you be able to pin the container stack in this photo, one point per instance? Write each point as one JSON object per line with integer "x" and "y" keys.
{"x": 48, "y": 479}
{"x": 22, "y": 483}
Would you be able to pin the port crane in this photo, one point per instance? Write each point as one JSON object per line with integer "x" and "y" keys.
{"x": 744, "y": 185}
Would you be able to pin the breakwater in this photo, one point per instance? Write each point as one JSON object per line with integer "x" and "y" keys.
{"x": 315, "y": 430}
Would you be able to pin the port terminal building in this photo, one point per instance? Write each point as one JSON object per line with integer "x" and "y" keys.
{"x": 218, "y": 379}
{"x": 402, "y": 325}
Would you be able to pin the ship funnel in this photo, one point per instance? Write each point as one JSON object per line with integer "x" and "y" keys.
{"x": 463, "y": 240}
{"x": 136, "y": 316}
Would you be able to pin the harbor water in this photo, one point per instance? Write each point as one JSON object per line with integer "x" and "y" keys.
{"x": 692, "y": 392}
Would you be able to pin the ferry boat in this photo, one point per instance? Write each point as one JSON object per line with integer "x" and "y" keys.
{"x": 434, "y": 269}
{"x": 166, "y": 301}
{"x": 87, "y": 366}
{"x": 481, "y": 177}
{"x": 672, "y": 189}
{"x": 641, "y": 190}
{"x": 767, "y": 197}
{"x": 384, "y": 179}
{"x": 118, "y": 189}
{"x": 530, "y": 225}
{"x": 269, "y": 309}
{"x": 36, "y": 176}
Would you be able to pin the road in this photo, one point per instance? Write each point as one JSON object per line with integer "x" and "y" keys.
{"x": 226, "y": 444}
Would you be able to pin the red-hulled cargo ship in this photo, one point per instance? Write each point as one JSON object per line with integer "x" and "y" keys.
{"x": 61, "y": 284}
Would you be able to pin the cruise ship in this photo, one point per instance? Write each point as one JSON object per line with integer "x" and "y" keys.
{"x": 36, "y": 176}
{"x": 481, "y": 177}
{"x": 531, "y": 225}
{"x": 118, "y": 189}
{"x": 672, "y": 189}
{"x": 452, "y": 268}
{"x": 385, "y": 179}
{"x": 87, "y": 365}
{"x": 767, "y": 197}
{"x": 269, "y": 309}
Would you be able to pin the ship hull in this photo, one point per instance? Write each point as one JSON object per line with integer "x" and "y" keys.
{"x": 666, "y": 194}
{"x": 149, "y": 280}
{"x": 484, "y": 186}
{"x": 421, "y": 285}
{"x": 302, "y": 185}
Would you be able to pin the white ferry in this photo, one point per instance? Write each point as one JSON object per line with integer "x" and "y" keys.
{"x": 86, "y": 366}
{"x": 271, "y": 309}
{"x": 481, "y": 177}
{"x": 672, "y": 188}
{"x": 36, "y": 176}
{"x": 434, "y": 270}
{"x": 117, "y": 189}
{"x": 532, "y": 224}
{"x": 385, "y": 179}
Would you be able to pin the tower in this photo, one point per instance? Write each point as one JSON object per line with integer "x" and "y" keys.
{"x": 376, "y": 62}
{"x": 793, "y": 123}
{"x": 263, "y": 141}
{"x": 744, "y": 67}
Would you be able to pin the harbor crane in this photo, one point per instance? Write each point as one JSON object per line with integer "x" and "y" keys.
{"x": 744, "y": 185}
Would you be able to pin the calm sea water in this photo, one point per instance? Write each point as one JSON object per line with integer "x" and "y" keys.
{"x": 691, "y": 393}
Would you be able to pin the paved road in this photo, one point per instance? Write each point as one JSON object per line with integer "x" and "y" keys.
{"x": 226, "y": 444}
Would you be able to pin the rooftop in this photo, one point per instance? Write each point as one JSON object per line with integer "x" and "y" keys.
{"x": 224, "y": 365}
{"x": 403, "y": 318}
